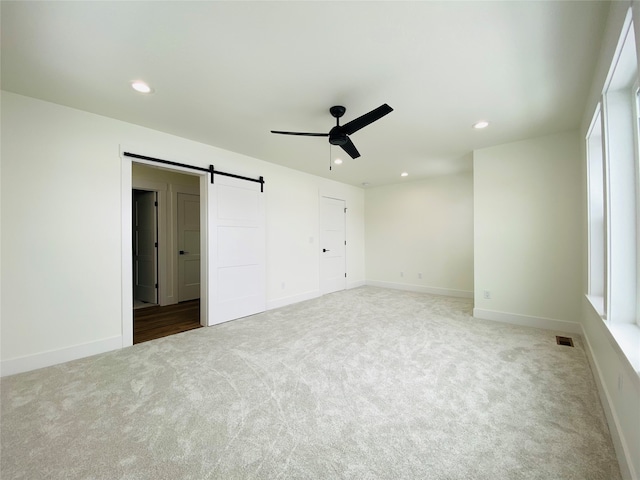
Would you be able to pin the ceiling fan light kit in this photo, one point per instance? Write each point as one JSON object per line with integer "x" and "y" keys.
{"x": 339, "y": 135}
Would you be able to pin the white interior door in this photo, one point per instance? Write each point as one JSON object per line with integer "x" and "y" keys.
{"x": 332, "y": 245}
{"x": 188, "y": 247}
{"x": 145, "y": 238}
{"x": 237, "y": 249}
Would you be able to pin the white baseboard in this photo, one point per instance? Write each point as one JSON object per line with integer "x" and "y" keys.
{"x": 54, "y": 357}
{"x": 528, "y": 321}
{"x": 448, "y": 292}
{"x": 620, "y": 445}
{"x": 284, "y": 301}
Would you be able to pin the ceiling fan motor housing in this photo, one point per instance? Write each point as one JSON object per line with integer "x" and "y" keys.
{"x": 337, "y": 136}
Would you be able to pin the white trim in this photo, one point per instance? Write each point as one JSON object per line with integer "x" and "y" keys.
{"x": 126, "y": 254}
{"x": 321, "y": 280}
{"x": 284, "y": 301}
{"x": 597, "y": 262}
{"x": 301, "y": 297}
{"x": 636, "y": 144}
{"x": 609, "y": 83}
{"x": 636, "y": 150}
{"x": 205, "y": 272}
{"x": 54, "y": 357}
{"x": 163, "y": 292}
{"x": 597, "y": 303}
{"x": 448, "y": 292}
{"x": 127, "y": 281}
{"x": 620, "y": 445}
{"x": 624, "y": 338}
{"x": 528, "y": 320}
{"x": 360, "y": 283}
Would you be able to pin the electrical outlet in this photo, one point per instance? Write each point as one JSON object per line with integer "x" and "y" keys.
{"x": 419, "y": 275}
{"x": 487, "y": 295}
{"x": 402, "y": 274}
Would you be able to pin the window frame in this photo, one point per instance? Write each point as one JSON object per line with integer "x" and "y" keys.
{"x": 635, "y": 92}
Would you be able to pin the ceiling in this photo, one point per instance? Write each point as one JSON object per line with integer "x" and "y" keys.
{"x": 226, "y": 73}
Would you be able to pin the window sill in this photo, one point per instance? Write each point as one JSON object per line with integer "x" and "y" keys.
{"x": 625, "y": 336}
{"x": 597, "y": 303}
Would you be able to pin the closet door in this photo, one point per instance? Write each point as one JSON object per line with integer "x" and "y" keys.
{"x": 333, "y": 265}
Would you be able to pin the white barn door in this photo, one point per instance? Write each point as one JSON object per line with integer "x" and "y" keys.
{"x": 237, "y": 249}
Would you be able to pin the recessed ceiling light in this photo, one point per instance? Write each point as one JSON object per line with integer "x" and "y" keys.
{"x": 404, "y": 174}
{"x": 337, "y": 161}
{"x": 140, "y": 86}
{"x": 481, "y": 124}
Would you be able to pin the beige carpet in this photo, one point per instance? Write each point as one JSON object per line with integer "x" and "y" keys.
{"x": 362, "y": 384}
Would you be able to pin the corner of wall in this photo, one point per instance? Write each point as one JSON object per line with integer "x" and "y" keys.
{"x": 528, "y": 320}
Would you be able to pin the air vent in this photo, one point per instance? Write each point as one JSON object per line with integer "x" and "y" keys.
{"x": 566, "y": 341}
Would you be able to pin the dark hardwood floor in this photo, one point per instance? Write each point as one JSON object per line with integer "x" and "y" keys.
{"x": 156, "y": 322}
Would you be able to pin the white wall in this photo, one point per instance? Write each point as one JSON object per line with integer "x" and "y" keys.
{"x": 62, "y": 216}
{"x": 293, "y": 217}
{"x": 528, "y": 227}
{"x": 142, "y": 173}
{"x": 619, "y": 384}
{"x": 422, "y": 227}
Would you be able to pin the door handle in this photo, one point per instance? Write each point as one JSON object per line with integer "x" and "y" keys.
{"x": 182, "y": 252}
{"x": 325, "y": 250}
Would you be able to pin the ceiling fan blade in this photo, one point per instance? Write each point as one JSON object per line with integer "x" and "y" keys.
{"x": 351, "y": 149}
{"x": 304, "y": 134}
{"x": 366, "y": 119}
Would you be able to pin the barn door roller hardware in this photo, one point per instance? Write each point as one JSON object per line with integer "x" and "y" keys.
{"x": 210, "y": 170}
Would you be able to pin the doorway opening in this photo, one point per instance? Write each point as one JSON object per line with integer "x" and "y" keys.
{"x": 166, "y": 240}
{"x": 144, "y": 245}
{"x": 232, "y": 240}
{"x": 156, "y": 322}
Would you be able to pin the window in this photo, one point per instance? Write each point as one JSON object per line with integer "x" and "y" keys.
{"x": 620, "y": 200}
{"x": 613, "y": 185}
{"x": 637, "y": 185}
{"x": 596, "y": 234}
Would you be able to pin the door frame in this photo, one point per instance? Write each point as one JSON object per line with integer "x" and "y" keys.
{"x": 127, "y": 257}
{"x": 339, "y": 198}
{"x": 157, "y": 239}
{"x": 165, "y": 292}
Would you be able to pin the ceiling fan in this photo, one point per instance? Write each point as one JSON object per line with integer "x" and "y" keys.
{"x": 339, "y": 135}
